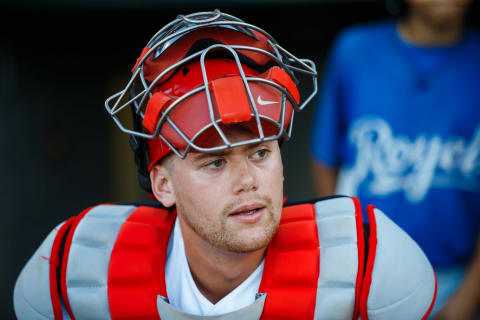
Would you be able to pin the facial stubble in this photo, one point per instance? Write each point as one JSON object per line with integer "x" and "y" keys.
{"x": 222, "y": 235}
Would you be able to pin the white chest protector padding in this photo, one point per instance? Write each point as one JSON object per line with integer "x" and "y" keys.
{"x": 31, "y": 296}
{"x": 87, "y": 267}
{"x": 403, "y": 281}
{"x": 337, "y": 235}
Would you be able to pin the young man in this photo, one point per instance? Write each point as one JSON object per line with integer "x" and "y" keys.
{"x": 398, "y": 123}
{"x": 211, "y": 96}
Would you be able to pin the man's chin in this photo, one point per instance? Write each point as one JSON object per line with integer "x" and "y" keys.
{"x": 246, "y": 247}
{"x": 251, "y": 240}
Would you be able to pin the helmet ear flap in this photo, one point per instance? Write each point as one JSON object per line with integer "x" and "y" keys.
{"x": 141, "y": 150}
{"x": 140, "y": 153}
{"x": 155, "y": 105}
{"x": 139, "y": 145}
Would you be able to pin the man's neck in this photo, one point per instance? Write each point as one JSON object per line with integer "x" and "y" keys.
{"x": 416, "y": 30}
{"x": 217, "y": 272}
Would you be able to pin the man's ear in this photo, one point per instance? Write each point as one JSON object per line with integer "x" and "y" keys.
{"x": 162, "y": 185}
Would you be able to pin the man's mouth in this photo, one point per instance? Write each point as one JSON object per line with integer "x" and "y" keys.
{"x": 247, "y": 209}
{"x": 246, "y": 212}
{"x": 249, "y": 213}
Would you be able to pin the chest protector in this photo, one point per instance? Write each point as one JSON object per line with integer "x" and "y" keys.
{"x": 323, "y": 263}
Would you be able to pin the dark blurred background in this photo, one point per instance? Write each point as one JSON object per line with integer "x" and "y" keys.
{"x": 59, "y": 60}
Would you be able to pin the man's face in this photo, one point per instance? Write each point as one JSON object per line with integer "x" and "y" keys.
{"x": 232, "y": 200}
{"x": 440, "y": 13}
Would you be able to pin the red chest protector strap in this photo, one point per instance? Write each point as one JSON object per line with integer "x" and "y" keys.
{"x": 291, "y": 266}
{"x": 136, "y": 272}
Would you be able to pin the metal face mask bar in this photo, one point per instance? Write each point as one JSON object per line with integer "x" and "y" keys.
{"x": 158, "y": 110}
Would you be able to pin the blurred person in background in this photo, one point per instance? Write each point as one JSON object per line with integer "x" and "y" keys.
{"x": 398, "y": 124}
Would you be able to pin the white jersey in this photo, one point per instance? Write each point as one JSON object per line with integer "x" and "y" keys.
{"x": 183, "y": 293}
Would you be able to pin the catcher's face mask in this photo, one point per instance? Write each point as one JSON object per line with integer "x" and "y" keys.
{"x": 204, "y": 72}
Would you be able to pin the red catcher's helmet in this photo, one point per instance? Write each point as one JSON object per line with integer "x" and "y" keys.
{"x": 204, "y": 72}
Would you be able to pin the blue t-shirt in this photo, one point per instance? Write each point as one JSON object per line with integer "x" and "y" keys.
{"x": 402, "y": 123}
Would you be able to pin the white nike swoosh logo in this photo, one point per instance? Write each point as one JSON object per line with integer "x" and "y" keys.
{"x": 264, "y": 102}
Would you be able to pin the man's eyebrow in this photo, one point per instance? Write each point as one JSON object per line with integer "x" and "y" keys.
{"x": 203, "y": 155}
{"x": 254, "y": 145}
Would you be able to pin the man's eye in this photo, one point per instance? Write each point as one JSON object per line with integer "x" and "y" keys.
{"x": 261, "y": 154}
{"x": 217, "y": 163}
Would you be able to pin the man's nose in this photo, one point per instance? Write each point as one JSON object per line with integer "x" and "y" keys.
{"x": 245, "y": 179}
